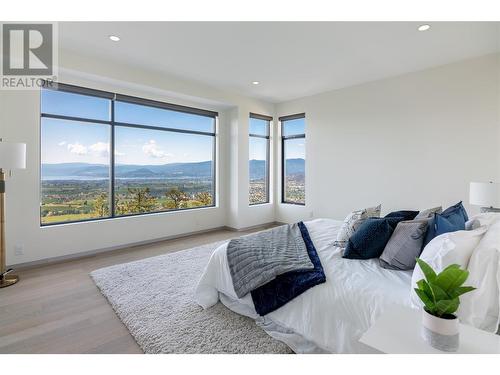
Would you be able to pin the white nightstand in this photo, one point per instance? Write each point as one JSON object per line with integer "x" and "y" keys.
{"x": 397, "y": 331}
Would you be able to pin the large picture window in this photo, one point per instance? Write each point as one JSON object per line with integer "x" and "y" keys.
{"x": 106, "y": 155}
{"x": 258, "y": 167}
{"x": 293, "y": 159}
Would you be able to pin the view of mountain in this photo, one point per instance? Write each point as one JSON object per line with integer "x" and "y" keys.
{"x": 179, "y": 170}
{"x": 258, "y": 171}
{"x": 295, "y": 166}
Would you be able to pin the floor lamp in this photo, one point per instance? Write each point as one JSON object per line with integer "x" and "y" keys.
{"x": 12, "y": 156}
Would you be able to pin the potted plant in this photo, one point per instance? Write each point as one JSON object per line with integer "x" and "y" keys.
{"x": 440, "y": 295}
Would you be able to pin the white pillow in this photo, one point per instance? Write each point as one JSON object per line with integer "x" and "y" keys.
{"x": 486, "y": 218}
{"x": 480, "y": 308}
{"x": 449, "y": 248}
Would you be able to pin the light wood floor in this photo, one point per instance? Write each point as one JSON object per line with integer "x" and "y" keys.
{"x": 58, "y": 309}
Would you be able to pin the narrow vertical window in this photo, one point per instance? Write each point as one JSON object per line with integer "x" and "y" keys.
{"x": 258, "y": 168}
{"x": 293, "y": 157}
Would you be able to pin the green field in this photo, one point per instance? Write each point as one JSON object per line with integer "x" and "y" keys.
{"x": 66, "y": 201}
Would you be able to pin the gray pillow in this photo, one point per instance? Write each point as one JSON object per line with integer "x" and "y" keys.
{"x": 429, "y": 213}
{"x": 352, "y": 222}
{"x": 472, "y": 224}
{"x": 404, "y": 245}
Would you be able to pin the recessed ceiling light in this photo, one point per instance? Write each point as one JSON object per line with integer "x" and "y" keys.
{"x": 255, "y": 82}
{"x": 424, "y": 27}
{"x": 114, "y": 38}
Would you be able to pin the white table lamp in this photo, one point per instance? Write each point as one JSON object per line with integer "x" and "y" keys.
{"x": 12, "y": 156}
{"x": 486, "y": 195}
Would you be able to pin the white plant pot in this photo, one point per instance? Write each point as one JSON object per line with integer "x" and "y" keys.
{"x": 442, "y": 334}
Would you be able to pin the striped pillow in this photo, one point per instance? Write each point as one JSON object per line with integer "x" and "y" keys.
{"x": 352, "y": 222}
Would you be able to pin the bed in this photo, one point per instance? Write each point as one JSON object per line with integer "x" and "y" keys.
{"x": 330, "y": 317}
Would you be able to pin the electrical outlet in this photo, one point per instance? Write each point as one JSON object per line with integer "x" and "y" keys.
{"x": 19, "y": 250}
{"x": 311, "y": 214}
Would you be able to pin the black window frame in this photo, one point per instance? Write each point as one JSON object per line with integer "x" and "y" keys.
{"x": 267, "y": 137}
{"x": 284, "y": 138}
{"x": 115, "y": 97}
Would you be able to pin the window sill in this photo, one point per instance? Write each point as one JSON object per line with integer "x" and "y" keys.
{"x": 132, "y": 216}
{"x": 260, "y": 204}
{"x": 293, "y": 204}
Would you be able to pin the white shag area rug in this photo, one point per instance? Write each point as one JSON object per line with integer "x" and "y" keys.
{"x": 154, "y": 298}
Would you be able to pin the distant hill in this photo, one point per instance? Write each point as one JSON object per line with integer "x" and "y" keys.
{"x": 257, "y": 169}
{"x": 198, "y": 169}
{"x": 295, "y": 166}
{"x": 141, "y": 172}
{"x": 184, "y": 170}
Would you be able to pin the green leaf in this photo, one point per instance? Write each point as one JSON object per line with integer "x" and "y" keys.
{"x": 438, "y": 292}
{"x": 451, "y": 278}
{"x": 421, "y": 284}
{"x": 447, "y": 306}
{"x": 425, "y": 299}
{"x": 424, "y": 286}
{"x": 428, "y": 272}
{"x": 452, "y": 266}
{"x": 461, "y": 290}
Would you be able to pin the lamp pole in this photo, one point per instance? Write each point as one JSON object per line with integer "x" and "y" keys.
{"x": 6, "y": 279}
{"x": 2, "y": 223}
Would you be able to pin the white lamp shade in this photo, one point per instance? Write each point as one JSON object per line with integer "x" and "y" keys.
{"x": 12, "y": 155}
{"x": 485, "y": 194}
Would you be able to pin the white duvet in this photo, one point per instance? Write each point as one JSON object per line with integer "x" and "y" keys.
{"x": 332, "y": 316}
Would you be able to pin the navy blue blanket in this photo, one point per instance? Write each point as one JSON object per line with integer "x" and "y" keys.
{"x": 287, "y": 286}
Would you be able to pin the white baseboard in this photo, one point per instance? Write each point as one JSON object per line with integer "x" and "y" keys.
{"x": 272, "y": 223}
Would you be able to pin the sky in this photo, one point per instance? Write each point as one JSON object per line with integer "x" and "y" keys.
{"x": 71, "y": 141}
{"x": 294, "y": 148}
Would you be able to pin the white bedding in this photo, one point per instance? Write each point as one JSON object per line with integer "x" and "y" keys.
{"x": 331, "y": 316}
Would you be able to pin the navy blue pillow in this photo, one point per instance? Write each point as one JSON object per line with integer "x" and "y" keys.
{"x": 370, "y": 238}
{"x": 443, "y": 225}
{"x": 455, "y": 215}
{"x": 407, "y": 214}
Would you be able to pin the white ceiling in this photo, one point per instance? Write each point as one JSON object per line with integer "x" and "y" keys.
{"x": 290, "y": 59}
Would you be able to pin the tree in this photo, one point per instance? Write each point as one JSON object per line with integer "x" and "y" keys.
{"x": 141, "y": 201}
{"x": 176, "y": 198}
{"x": 101, "y": 206}
{"x": 204, "y": 197}
{"x": 120, "y": 207}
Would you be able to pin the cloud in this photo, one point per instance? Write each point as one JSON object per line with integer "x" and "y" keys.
{"x": 152, "y": 150}
{"x": 77, "y": 148}
{"x": 100, "y": 148}
{"x": 63, "y": 143}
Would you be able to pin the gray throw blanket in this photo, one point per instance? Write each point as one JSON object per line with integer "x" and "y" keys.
{"x": 256, "y": 259}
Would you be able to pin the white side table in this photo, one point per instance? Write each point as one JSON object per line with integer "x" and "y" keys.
{"x": 397, "y": 331}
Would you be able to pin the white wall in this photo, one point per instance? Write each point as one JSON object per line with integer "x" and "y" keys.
{"x": 412, "y": 141}
{"x": 19, "y": 121}
{"x": 241, "y": 214}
